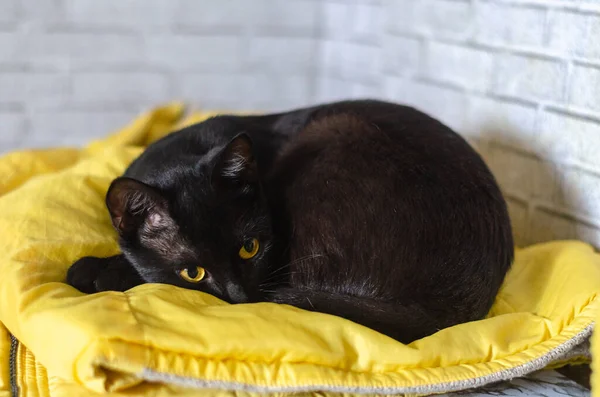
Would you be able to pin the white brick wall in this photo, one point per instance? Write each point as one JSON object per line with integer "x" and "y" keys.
{"x": 519, "y": 78}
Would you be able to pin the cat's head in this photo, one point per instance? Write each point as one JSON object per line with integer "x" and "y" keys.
{"x": 209, "y": 229}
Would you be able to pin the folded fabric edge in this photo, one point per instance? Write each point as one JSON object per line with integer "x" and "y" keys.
{"x": 444, "y": 387}
{"x": 517, "y": 364}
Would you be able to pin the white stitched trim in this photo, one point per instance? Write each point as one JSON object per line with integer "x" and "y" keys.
{"x": 560, "y": 352}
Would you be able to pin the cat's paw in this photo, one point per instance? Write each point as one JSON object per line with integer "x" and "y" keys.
{"x": 90, "y": 274}
{"x": 86, "y": 274}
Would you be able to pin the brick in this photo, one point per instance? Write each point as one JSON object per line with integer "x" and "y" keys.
{"x": 13, "y": 126}
{"x": 195, "y": 53}
{"x": 212, "y": 90}
{"x": 129, "y": 14}
{"x": 518, "y": 213}
{"x": 351, "y": 21}
{"x": 550, "y": 184}
{"x": 588, "y": 233}
{"x": 566, "y": 138}
{"x": 73, "y": 128}
{"x": 584, "y": 89}
{"x": 548, "y": 226}
{"x": 502, "y": 24}
{"x": 366, "y": 91}
{"x": 590, "y": 5}
{"x": 282, "y": 55}
{"x": 275, "y": 93}
{"x": 48, "y": 11}
{"x": 449, "y": 106}
{"x": 367, "y": 22}
{"x": 334, "y": 22}
{"x": 583, "y": 193}
{"x": 513, "y": 171}
{"x": 148, "y": 88}
{"x": 444, "y": 17}
{"x": 329, "y": 89}
{"x": 589, "y": 46}
{"x": 241, "y": 91}
{"x": 359, "y": 62}
{"x": 462, "y": 66}
{"x": 580, "y": 193}
{"x": 8, "y": 11}
{"x": 232, "y": 15}
{"x": 393, "y": 88}
{"x": 65, "y": 48}
{"x": 507, "y": 122}
{"x": 523, "y": 76}
{"x": 46, "y": 89}
{"x": 400, "y": 55}
{"x": 285, "y": 16}
{"x": 573, "y": 189}
{"x": 399, "y": 16}
{"x": 566, "y": 30}
{"x": 567, "y": 188}
{"x": 10, "y": 49}
{"x": 490, "y": 22}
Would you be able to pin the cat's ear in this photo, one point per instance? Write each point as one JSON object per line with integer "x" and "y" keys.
{"x": 236, "y": 166}
{"x": 132, "y": 203}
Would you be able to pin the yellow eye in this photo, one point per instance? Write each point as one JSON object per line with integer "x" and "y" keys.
{"x": 193, "y": 274}
{"x": 249, "y": 249}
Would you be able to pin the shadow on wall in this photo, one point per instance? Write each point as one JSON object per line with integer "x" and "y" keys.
{"x": 546, "y": 200}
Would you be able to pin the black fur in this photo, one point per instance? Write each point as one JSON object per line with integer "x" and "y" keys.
{"x": 367, "y": 210}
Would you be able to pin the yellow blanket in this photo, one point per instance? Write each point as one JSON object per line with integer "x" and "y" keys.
{"x": 163, "y": 340}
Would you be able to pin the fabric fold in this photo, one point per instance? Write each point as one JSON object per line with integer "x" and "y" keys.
{"x": 165, "y": 340}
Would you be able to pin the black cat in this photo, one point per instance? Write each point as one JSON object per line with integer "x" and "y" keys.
{"x": 368, "y": 210}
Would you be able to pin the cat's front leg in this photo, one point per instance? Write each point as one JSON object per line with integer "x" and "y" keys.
{"x": 90, "y": 274}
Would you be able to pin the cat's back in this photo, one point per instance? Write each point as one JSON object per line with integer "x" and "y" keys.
{"x": 388, "y": 203}
{"x": 186, "y": 149}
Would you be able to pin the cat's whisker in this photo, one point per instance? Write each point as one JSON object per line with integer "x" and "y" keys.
{"x": 305, "y": 258}
{"x": 300, "y": 260}
{"x": 275, "y": 275}
{"x": 274, "y": 280}
{"x": 279, "y": 268}
{"x": 295, "y": 261}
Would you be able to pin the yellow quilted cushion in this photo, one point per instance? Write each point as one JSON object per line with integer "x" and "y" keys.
{"x": 165, "y": 340}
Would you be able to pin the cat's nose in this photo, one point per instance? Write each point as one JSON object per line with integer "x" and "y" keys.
{"x": 236, "y": 293}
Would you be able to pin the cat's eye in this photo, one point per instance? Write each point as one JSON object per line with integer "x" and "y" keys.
{"x": 249, "y": 249}
{"x": 192, "y": 274}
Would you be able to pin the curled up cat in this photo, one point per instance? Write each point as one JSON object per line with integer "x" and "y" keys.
{"x": 367, "y": 210}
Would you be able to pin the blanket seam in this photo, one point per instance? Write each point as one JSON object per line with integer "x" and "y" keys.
{"x": 12, "y": 362}
{"x": 143, "y": 345}
{"x": 444, "y": 387}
